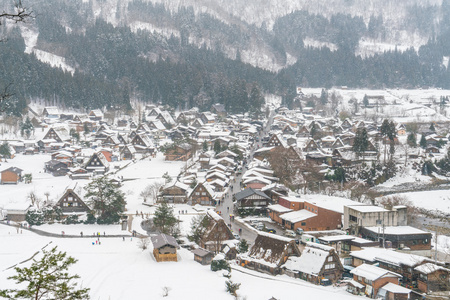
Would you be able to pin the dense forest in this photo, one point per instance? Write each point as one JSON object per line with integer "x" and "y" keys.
{"x": 114, "y": 63}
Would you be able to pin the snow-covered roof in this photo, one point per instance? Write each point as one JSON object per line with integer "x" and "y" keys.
{"x": 367, "y": 208}
{"x": 372, "y": 272}
{"x": 388, "y": 256}
{"x": 214, "y": 215}
{"x": 429, "y": 268}
{"x": 329, "y": 202}
{"x": 279, "y": 208}
{"x": 335, "y": 238}
{"x": 297, "y": 216}
{"x": 310, "y": 262}
{"x": 396, "y": 230}
{"x": 395, "y": 288}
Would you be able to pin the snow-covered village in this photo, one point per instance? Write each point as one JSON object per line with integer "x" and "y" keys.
{"x": 259, "y": 150}
{"x": 181, "y": 204}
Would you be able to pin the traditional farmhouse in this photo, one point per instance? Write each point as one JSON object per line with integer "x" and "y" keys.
{"x": 269, "y": 253}
{"x": 202, "y": 194}
{"x": 316, "y": 264}
{"x": 216, "y": 232}
{"x": 97, "y": 163}
{"x": 70, "y": 202}
{"x": 175, "y": 192}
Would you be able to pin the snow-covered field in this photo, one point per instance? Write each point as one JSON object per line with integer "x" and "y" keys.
{"x": 118, "y": 269}
{"x": 431, "y": 200}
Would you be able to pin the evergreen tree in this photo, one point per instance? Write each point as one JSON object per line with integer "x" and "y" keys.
{"x": 5, "y": 151}
{"x": 243, "y": 246}
{"x": 205, "y": 146}
{"x": 26, "y": 128}
{"x": 423, "y": 142}
{"x": 47, "y": 278}
{"x": 324, "y": 97}
{"x": 432, "y": 128}
{"x": 164, "y": 219}
{"x": 361, "y": 142}
{"x": 411, "y": 140}
{"x": 256, "y": 100}
{"x": 106, "y": 199}
{"x": 217, "y": 147}
{"x": 366, "y": 101}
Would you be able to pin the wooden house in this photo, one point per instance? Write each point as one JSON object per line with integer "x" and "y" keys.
{"x": 143, "y": 144}
{"x": 219, "y": 109}
{"x": 58, "y": 134}
{"x": 203, "y": 256}
{"x": 269, "y": 253}
{"x": 97, "y": 163}
{"x": 432, "y": 277}
{"x": 230, "y": 252}
{"x": 128, "y": 152}
{"x": 202, "y": 194}
{"x": 250, "y": 198}
{"x": 181, "y": 152}
{"x": 316, "y": 264}
{"x": 11, "y": 175}
{"x": 175, "y": 192}
{"x": 373, "y": 278}
{"x": 216, "y": 232}
{"x": 165, "y": 247}
{"x": 96, "y": 115}
{"x": 57, "y": 167}
{"x": 70, "y": 202}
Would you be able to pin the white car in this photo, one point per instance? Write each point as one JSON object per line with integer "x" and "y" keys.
{"x": 290, "y": 233}
{"x": 236, "y": 236}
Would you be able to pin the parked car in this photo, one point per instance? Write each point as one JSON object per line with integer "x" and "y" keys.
{"x": 290, "y": 233}
{"x": 299, "y": 231}
{"x": 271, "y": 230}
{"x": 236, "y": 236}
{"x": 260, "y": 226}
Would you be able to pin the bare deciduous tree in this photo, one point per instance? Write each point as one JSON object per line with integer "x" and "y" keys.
{"x": 143, "y": 243}
{"x": 35, "y": 200}
{"x": 151, "y": 191}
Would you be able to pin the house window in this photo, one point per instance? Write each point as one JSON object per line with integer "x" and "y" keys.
{"x": 353, "y": 219}
{"x": 303, "y": 223}
{"x": 203, "y": 194}
{"x": 330, "y": 258}
{"x": 197, "y": 193}
{"x": 368, "y": 281}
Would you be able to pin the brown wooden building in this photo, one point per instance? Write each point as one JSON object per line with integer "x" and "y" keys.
{"x": 269, "y": 253}
{"x": 70, "y": 202}
{"x": 11, "y": 175}
{"x": 216, "y": 232}
{"x": 374, "y": 278}
{"x": 432, "y": 277}
{"x": 316, "y": 264}
{"x": 202, "y": 194}
{"x": 165, "y": 247}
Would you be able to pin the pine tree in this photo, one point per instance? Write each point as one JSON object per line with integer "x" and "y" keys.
{"x": 5, "y": 152}
{"x": 106, "y": 199}
{"x": 366, "y": 101}
{"x": 243, "y": 246}
{"x": 423, "y": 142}
{"x": 26, "y": 128}
{"x": 164, "y": 219}
{"x": 411, "y": 140}
{"x": 361, "y": 142}
{"x": 47, "y": 278}
{"x": 432, "y": 128}
{"x": 324, "y": 97}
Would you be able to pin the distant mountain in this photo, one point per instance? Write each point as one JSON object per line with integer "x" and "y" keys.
{"x": 191, "y": 52}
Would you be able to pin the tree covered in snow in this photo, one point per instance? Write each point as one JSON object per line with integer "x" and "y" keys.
{"x": 106, "y": 199}
{"x": 47, "y": 278}
{"x": 165, "y": 220}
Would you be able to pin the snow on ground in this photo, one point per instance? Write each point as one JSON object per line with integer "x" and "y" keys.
{"x": 431, "y": 200}
{"x": 407, "y": 176}
{"x": 164, "y": 31}
{"x": 42, "y": 182}
{"x": 53, "y": 60}
{"x": 118, "y": 269}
